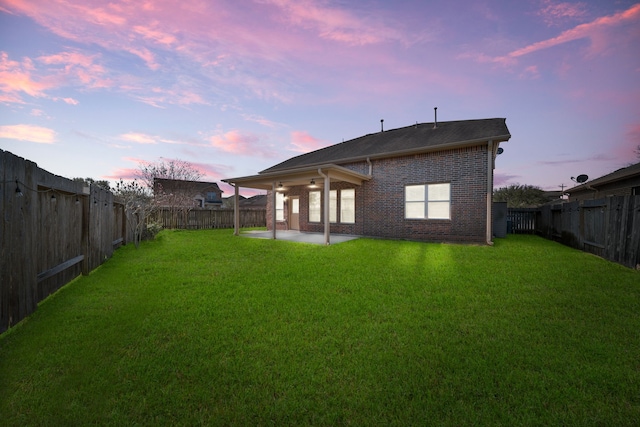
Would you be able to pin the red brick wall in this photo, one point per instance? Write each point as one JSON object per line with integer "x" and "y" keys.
{"x": 380, "y": 201}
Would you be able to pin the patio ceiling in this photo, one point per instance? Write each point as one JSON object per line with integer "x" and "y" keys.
{"x": 300, "y": 176}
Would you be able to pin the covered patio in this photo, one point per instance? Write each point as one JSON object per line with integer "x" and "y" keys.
{"x": 298, "y": 236}
{"x": 324, "y": 175}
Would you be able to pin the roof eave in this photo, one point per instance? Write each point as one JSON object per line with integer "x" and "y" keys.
{"x": 420, "y": 150}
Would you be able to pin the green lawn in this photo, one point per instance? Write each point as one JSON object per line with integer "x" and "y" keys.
{"x": 204, "y": 328}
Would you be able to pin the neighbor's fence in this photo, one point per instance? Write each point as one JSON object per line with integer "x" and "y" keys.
{"x": 208, "y": 218}
{"x": 521, "y": 220}
{"x": 609, "y": 227}
{"x": 53, "y": 229}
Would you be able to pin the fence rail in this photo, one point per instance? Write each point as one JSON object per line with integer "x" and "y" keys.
{"x": 208, "y": 218}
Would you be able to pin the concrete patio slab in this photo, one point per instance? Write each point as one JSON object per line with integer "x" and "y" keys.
{"x": 297, "y": 236}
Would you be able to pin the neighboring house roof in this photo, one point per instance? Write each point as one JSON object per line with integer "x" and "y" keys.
{"x": 257, "y": 201}
{"x": 416, "y": 138}
{"x": 620, "y": 174}
{"x": 209, "y": 190}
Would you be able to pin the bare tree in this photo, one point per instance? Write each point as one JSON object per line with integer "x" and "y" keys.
{"x": 139, "y": 205}
{"x": 176, "y": 196}
{"x": 168, "y": 169}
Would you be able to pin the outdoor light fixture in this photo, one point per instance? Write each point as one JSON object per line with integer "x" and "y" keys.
{"x": 280, "y": 185}
{"x": 53, "y": 197}
{"x": 313, "y": 183}
{"x": 18, "y": 190}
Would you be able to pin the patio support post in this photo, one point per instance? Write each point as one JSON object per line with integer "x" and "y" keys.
{"x": 236, "y": 210}
{"x": 489, "y": 191}
{"x": 273, "y": 210}
{"x": 327, "y": 197}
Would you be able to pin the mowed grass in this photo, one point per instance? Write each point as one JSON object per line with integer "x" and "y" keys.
{"x": 204, "y": 328}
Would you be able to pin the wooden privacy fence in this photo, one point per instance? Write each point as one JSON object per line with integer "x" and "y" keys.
{"x": 53, "y": 229}
{"x": 208, "y": 218}
{"x": 608, "y": 227}
{"x": 521, "y": 220}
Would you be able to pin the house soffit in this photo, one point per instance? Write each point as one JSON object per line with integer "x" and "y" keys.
{"x": 301, "y": 176}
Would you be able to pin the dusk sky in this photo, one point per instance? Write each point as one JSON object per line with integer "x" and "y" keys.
{"x": 92, "y": 88}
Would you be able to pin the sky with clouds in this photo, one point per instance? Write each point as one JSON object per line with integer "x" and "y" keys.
{"x": 90, "y": 88}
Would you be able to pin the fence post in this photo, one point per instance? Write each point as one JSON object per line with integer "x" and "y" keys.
{"x": 86, "y": 207}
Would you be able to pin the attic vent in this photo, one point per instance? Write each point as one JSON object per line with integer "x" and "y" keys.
{"x": 435, "y": 117}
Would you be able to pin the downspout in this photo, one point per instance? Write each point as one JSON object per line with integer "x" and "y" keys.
{"x": 327, "y": 193}
{"x": 273, "y": 210}
{"x": 370, "y": 166}
{"x": 489, "y": 227}
{"x": 236, "y": 210}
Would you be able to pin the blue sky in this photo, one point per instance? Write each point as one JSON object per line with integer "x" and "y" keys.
{"x": 93, "y": 89}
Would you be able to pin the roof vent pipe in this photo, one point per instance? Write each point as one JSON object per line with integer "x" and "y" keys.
{"x": 435, "y": 119}
{"x": 381, "y": 125}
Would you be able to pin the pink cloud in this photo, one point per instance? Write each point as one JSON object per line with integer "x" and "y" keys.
{"x": 303, "y": 142}
{"x": 29, "y": 133}
{"x": 126, "y": 174}
{"x": 503, "y": 179}
{"x": 36, "y": 78}
{"x": 139, "y": 138}
{"x": 629, "y": 148}
{"x": 212, "y": 171}
{"x": 337, "y": 24}
{"x": 154, "y": 35}
{"x": 246, "y": 144}
{"x": 557, "y": 13}
{"x": 592, "y": 30}
{"x": 16, "y": 78}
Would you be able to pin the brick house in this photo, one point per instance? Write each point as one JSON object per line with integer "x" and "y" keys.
{"x": 177, "y": 192}
{"x": 431, "y": 182}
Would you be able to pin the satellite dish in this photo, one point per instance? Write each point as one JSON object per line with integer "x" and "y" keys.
{"x": 581, "y": 179}
{"x": 500, "y": 150}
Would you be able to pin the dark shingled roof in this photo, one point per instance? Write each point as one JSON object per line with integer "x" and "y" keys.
{"x": 410, "y": 139}
{"x": 617, "y": 175}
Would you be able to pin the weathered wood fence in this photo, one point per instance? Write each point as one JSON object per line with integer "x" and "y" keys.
{"x": 521, "y": 220}
{"x": 609, "y": 227}
{"x": 208, "y": 218}
{"x": 53, "y": 229}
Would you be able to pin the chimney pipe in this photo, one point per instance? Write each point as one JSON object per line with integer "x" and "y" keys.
{"x": 435, "y": 120}
{"x": 381, "y": 125}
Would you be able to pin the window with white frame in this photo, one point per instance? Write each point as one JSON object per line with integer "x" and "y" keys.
{"x": 279, "y": 207}
{"x": 333, "y": 206}
{"x": 427, "y": 201}
{"x": 348, "y": 206}
{"x": 314, "y": 206}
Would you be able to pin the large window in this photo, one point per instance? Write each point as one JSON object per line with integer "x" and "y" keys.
{"x": 348, "y": 206}
{"x": 314, "y": 206}
{"x": 428, "y": 201}
{"x": 279, "y": 207}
